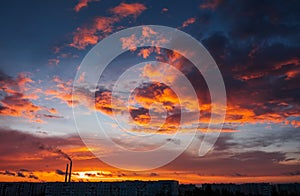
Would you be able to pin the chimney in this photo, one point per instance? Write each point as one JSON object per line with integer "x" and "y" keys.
{"x": 70, "y": 172}
{"x": 66, "y": 174}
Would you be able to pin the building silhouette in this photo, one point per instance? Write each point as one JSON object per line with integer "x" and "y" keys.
{"x": 146, "y": 188}
{"x": 124, "y": 188}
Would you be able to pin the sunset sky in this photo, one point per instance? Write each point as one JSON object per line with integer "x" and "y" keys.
{"x": 256, "y": 45}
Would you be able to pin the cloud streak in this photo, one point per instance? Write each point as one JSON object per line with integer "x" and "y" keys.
{"x": 128, "y": 9}
{"x": 82, "y": 4}
{"x": 17, "y": 99}
{"x": 188, "y": 22}
{"x": 100, "y": 27}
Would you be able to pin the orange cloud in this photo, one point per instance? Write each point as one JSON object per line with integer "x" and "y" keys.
{"x": 105, "y": 24}
{"x": 81, "y": 4}
{"x": 295, "y": 123}
{"x": 140, "y": 119}
{"x": 149, "y": 36}
{"x": 128, "y": 9}
{"x": 62, "y": 91}
{"x": 292, "y": 61}
{"x": 147, "y": 98}
{"x": 239, "y": 112}
{"x": 148, "y": 32}
{"x": 16, "y": 100}
{"x": 188, "y": 22}
{"x": 173, "y": 58}
{"x": 101, "y": 26}
{"x": 145, "y": 52}
{"x": 19, "y": 107}
{"x": 89, "y": 35}
{"x": 290, "y": 73}
{"x": 103, "y": 102}
{"x": 84, "y": 37}
{"x": 129, "y": 42}
{"x": 84, "y": 97}
{"x": 100, "y": 101}
{"x": 210, "y": 4}
{"x": 155, "y": 92}
{"x": 251, "y": 76}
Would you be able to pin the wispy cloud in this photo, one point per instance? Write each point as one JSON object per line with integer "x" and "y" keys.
{"x": 101, "y": 26}
{"x": 128, "y": 9}
{"x": 17, "y": 96}
{"x": 188, "y": 22}
{"x": 89, "y": 35}
{"x": 82, "y": 4}
{"x": 210, "y": 4}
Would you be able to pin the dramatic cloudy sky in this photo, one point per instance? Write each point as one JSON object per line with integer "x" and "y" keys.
{"x": 256, "y": 45}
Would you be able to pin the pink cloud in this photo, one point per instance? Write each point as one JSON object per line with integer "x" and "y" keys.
{"x": 210, "y": 4}
{"x": 164, "y": 10}
{"x": 81, "y": 4}
{"x": 84, "y": 37}
{"x": 16, "y": 101}
{"x": 188, "y": 22}
{"x": 127, "y": 9}
{"x": 101, "y": 26}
